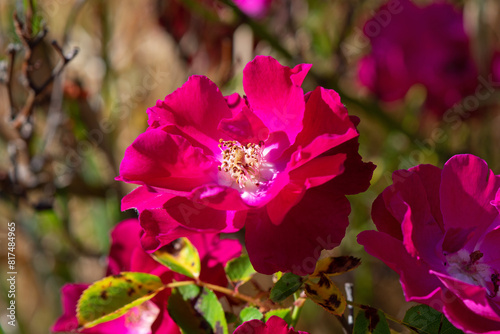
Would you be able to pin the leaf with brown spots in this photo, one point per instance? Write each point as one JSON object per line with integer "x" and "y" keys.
{"x": 326, "y": 294}
{"x": 113, "y": 296}
{"x": 180, "y": 256}
{"x": 371, "y": 320}
{"x": 335, "y": 265}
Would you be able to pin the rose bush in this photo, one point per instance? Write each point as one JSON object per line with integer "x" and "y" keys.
{"x": 440, "y": 231}
{"x": 275, "y": 161}
{"x": 126, "y": 254}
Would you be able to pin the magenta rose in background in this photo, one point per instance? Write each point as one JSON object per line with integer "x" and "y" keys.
{"x": 275, "y": 161}
{"x": 254, "y": 8}
{"x": 440, "y": 231}
{"x": 126, "y": 254}
{"x": 419, "y": 45}
{"x": 274, "y": 325}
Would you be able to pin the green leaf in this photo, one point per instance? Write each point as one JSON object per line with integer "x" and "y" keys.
{"x": 180, "y": 256}
{"x": 250, "y": 313}
{"x": 182, "y": 311}
{"x": 426, "y": 320}
{"x": 286, "y": 286}
{"x": 197, "y": 310}
{"x": 335, "y": 265}
{"x": 283, "y": 313}
{"x": 371, "y": 320}
{"x": 209, "y": 306}
{"x": 240, "y": 270}
{"x": 113, "y": 296}
{"x": 326, "y": 294}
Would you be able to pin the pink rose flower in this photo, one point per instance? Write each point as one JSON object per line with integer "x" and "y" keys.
{"x": 275, "y": 161}
{"x": 419, "y": 45}
{"x": 126, "y": 254}
{"x": 440, "y": 231}
{"x": 275, "y": 325}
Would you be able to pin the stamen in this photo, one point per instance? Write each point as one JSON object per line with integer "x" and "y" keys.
{"x": 469, "y": 268}
{"x": 241, "y": 162}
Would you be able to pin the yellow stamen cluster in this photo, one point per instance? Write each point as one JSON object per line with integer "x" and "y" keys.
{"x": 241, "y": 162}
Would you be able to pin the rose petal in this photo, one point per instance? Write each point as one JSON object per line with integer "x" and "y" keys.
{"x": 383, "y": 219}
{"x": 474, "y": 297}
{"x": 183, "y": 218}
{"x": 420, "y": 229}
{"x": 357, "y": 174}
{"x": 196, "y": 108}
{"x": 320, "y": 216}
{"x": 245, "y": 127}
{"x": 467, "y": 188}
{"x": 462, "y": 318}
{"x": 70, "y": 293}
{"x": 235, "y": 102}
{"x": 325, "y": 114}
{"x": 414, "y": 274}
{"x": 157, "y": 158}
{"x": 125, "y": 238}
{"x": 274, "y": 94}
{"x": 145, "y": 197}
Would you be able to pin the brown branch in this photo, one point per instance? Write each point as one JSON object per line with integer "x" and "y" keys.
{"x": 35, "y": 91}
{"x": 65, "y": 60}
{"x": 29, "y": 18}
{"x": 12, "y": 49}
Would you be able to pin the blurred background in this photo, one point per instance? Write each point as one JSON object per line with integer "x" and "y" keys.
{"x": 76, "y": 78}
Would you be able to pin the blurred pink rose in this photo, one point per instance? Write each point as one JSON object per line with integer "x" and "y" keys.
{"x": 440, "y": 231}
{"x": 254, "y": 8}
{"x": 419, "y": 45}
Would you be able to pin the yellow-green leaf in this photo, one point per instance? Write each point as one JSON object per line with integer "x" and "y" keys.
{"x": 240, "y": 270}
{"x": 113, "y": 296}
{"x": 180, "y": 256}
{"x": 326, "y": 294}
{"x": 335, "y": 265}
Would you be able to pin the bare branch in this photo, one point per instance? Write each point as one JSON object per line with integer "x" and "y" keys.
{"x": 12, "y": 49}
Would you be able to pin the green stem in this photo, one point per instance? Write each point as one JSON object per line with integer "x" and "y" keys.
{"x": 297, "y": 308}
{"x": 232, "y": 293}
{"x": 178, "y": 284}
